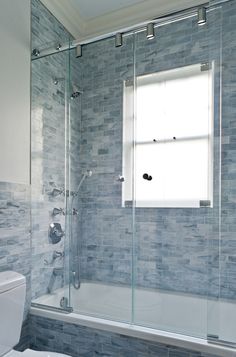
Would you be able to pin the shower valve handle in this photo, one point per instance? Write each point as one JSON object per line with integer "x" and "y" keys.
{"x": 75, "y": 212}
{"x": 55, "y": 232}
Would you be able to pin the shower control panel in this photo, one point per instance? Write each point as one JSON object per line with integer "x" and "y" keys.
{"x": 55, "y": 233}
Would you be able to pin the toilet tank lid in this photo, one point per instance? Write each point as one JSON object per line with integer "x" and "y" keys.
{"x": 10, "y": 280}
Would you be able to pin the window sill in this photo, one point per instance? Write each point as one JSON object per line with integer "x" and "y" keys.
{"x": 168, "y": 204}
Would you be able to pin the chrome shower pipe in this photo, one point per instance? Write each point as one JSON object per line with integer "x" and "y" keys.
{"x": 127, "y": 31}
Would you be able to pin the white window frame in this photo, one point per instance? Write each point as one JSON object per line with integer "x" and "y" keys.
{"x": 129, "y": 142}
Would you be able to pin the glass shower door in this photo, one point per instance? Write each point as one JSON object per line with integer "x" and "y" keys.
{"x": 176, "y": 178}
{"x": 102, "y": 226}
{"x": 222, "y": 281}
{"x": 50, "y": 180}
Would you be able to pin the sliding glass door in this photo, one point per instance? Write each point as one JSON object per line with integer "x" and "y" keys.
{"x": 50, "y": 179}
{"x": 222, "y": 309}
{"x": 102, "y": 229}
{"x": 176, "y": 177}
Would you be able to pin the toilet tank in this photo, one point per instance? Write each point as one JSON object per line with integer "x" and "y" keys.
{"x": 12, "y": 300}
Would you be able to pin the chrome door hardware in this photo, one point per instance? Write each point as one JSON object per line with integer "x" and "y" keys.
{"x": 120, "y": 178}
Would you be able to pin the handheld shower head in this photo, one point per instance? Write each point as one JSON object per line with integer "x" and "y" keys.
{"x": 87, "y": 173}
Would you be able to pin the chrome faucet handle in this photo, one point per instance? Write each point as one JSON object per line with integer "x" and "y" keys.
{"x": 75, "y": 212}
{"x": 57, "y": 211}
{"x": 57, "y": 192}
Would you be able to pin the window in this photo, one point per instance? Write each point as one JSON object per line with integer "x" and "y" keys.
{"x": 173, "y": 141}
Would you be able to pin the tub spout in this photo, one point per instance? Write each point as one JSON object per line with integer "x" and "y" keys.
{"x": 55, "y": 273}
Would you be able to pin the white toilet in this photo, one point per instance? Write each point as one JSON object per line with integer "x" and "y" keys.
{"x": 12, "y": 301}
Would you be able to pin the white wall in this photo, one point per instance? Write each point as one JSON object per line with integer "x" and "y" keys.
{"x": 15, "y": 91}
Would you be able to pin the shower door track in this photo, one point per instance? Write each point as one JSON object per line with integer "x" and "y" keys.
{"x": 160, "y": 21}
{"x": 67, "y": 310}
{"x": 136, "y": 331}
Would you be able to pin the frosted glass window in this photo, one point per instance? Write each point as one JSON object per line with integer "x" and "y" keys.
{"x": 173, "y": 141}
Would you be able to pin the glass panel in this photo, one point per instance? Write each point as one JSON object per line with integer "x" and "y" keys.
{"x": 172, "y": 238}
{"x": 77, "y": 176}
{"x": 102, "y": 232}
{"x": 222, "y": 310}
{"x": 50, "y": 180}
{"x": 176, "y": 271}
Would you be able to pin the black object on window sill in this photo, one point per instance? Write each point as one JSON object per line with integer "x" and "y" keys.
{"x": 147, "y": 177}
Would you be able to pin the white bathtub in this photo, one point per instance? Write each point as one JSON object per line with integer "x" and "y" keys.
{"x": 169, "y": 318}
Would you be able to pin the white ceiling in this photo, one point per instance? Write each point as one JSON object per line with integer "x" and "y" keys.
{"x": 86, "y": 19}
{"x": 93, "y": 8}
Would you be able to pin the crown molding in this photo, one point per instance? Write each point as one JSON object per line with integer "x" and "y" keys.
{"x": 68, "y": 14}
